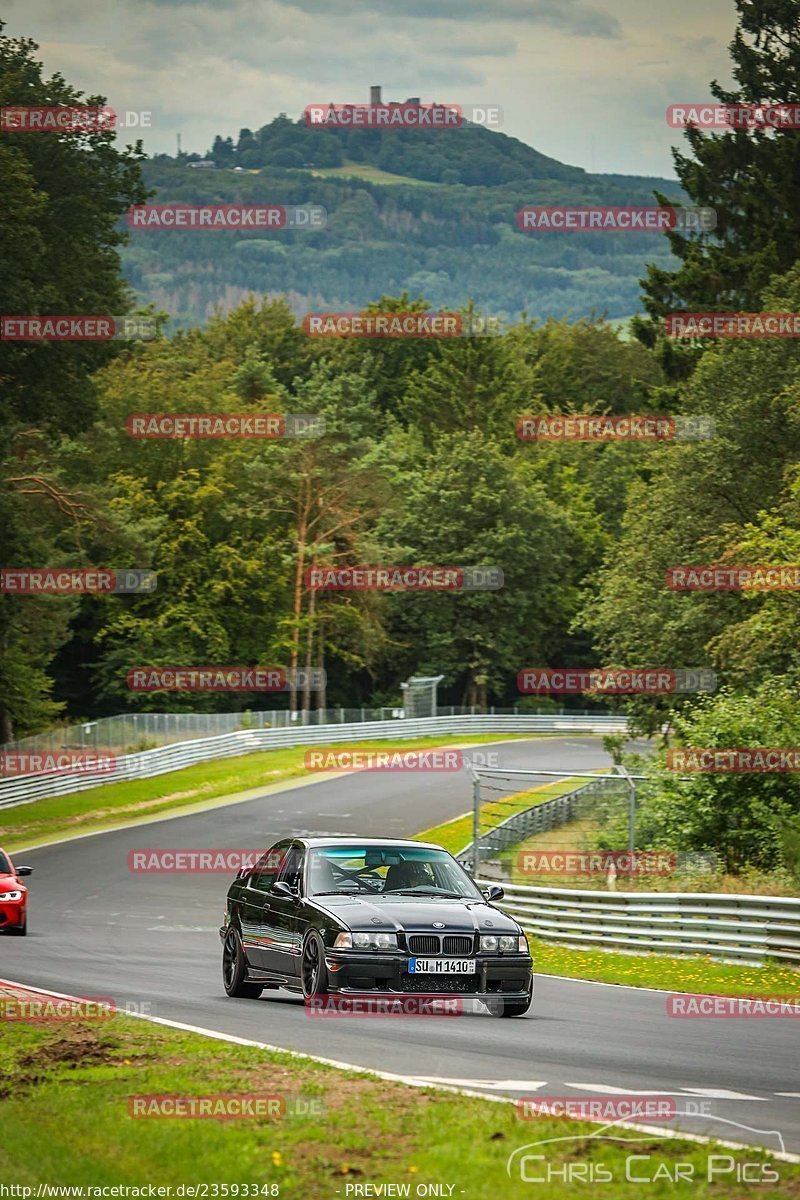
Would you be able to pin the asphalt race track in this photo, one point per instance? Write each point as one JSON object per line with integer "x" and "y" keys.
{"x": 97, "y": 929}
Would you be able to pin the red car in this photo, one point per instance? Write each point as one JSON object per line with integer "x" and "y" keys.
{"x": 13, "y": 897}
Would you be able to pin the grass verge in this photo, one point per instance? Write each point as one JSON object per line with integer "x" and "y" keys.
{"x": 65, "y": 1113}
{"x": 689, "y": 973}
{"x": 113, "y": 804}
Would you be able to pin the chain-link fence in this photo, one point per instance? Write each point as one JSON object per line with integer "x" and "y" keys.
{"x": 419, "y": 695}
{"x": 567, "y": 830}
{"x": 130, "y": 733}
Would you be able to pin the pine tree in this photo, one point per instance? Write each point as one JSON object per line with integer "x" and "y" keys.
{"x": 750, "y": 177}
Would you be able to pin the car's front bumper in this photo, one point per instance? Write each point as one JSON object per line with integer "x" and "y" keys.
{"x": 12, "y": 914}
{"x": 506, "y": 975}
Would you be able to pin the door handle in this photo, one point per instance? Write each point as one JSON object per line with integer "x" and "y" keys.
{"x": 265, "y": 904}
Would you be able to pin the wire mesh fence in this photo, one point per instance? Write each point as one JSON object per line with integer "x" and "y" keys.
{"x": 130, "y": 733}
{"x": 571, "y": 831}
{"x": 419, "y": 695}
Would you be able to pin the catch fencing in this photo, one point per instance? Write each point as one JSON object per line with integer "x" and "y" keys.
{"x": 550, "y": 814}
{"x": 22, "y": 789}
{"x": 129, "y": 733}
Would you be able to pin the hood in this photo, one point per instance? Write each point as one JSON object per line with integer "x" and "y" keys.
{"x": 10, "y": 883}
{"x": 412, "y": 913}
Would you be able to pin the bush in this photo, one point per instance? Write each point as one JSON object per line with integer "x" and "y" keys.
{"x": 750, "y": 820}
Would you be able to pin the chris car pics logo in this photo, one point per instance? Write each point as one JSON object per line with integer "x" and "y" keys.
{"x": 620, "y": 1156}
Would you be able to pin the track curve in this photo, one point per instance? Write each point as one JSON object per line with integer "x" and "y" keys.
{"x": 151, "y": 940}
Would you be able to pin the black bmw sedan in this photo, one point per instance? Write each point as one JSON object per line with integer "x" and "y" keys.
{"x": 339, "y": 916}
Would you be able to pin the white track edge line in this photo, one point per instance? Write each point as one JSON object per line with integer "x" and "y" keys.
{"x": 407, "y": 1080}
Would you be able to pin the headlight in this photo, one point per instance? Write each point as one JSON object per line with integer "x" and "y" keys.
{"x": 10, "y": 896}
{"x": 510, "y": 942}
{"x": 366, "y": 941}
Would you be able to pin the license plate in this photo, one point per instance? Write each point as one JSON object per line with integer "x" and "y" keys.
{"x": 441, "y": 966}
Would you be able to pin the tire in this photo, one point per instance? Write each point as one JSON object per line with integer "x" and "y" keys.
{"x": 20, "y": 930}
{"x": 517, "y": 1008}
{"x": 313, "y": 972}
{"x": 234, "y": 969}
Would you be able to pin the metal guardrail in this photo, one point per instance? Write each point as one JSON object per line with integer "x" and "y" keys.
{"x": 23, "y": 789}
{"x": 729, "y": 927}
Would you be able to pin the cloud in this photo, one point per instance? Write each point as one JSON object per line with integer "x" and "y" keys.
{"x": 577, "y": 79}
{"x": 571, "y": 16}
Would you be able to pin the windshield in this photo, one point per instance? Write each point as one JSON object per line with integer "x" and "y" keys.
{"x": 5, "y": 865}
{"x": 385, "y": 870}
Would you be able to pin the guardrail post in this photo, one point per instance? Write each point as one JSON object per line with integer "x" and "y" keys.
{"x": 476, "y": 820}
{"x": 626, "y": 775}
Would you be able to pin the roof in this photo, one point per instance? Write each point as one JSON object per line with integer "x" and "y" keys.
{"x": 353, "y": 841}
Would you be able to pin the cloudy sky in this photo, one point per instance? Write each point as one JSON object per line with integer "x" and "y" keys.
{"x": 586, "y": 81}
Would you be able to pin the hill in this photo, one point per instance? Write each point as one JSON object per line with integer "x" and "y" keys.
{"x": 392, "y": 227}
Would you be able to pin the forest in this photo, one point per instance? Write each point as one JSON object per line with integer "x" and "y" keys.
{"x": 420, "y": 461}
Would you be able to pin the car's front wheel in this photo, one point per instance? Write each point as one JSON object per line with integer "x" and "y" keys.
{"x": 313, "y": 972}
{"x": 516, "y": 1008}
{"x": 20, "y": 930}
{"x": 234, "y": 969}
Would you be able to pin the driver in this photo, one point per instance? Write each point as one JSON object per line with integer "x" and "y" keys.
{"x": 406, "y": 874}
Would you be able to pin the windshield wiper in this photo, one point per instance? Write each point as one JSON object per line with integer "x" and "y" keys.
{"x": 426, "y": 892}
{"x": 337, "y": 892}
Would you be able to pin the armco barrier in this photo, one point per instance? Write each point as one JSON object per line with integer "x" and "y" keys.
{"x": 729, "y": 927}
{"x": 22, "y": 789}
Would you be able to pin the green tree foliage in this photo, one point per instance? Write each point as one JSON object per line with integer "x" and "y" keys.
{"x": 465, "y": 504}
{"x": 447, "y": 242}
{"x": 60, "y": 202}
{"x": 470, "y": 153}
{"x": 705, "y": 502}
{"x": 750, "y": 177}
{"x": 747, "y": 818}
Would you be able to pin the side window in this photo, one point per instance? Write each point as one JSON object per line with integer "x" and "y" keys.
{"x": 291, "y": 871}
{"x": 266, "y": 869}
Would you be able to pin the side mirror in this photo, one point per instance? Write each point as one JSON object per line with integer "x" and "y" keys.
{"x": 23, "y": 871}
{"x": 493, "y": 892}
{"x": 281, "y": 888}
